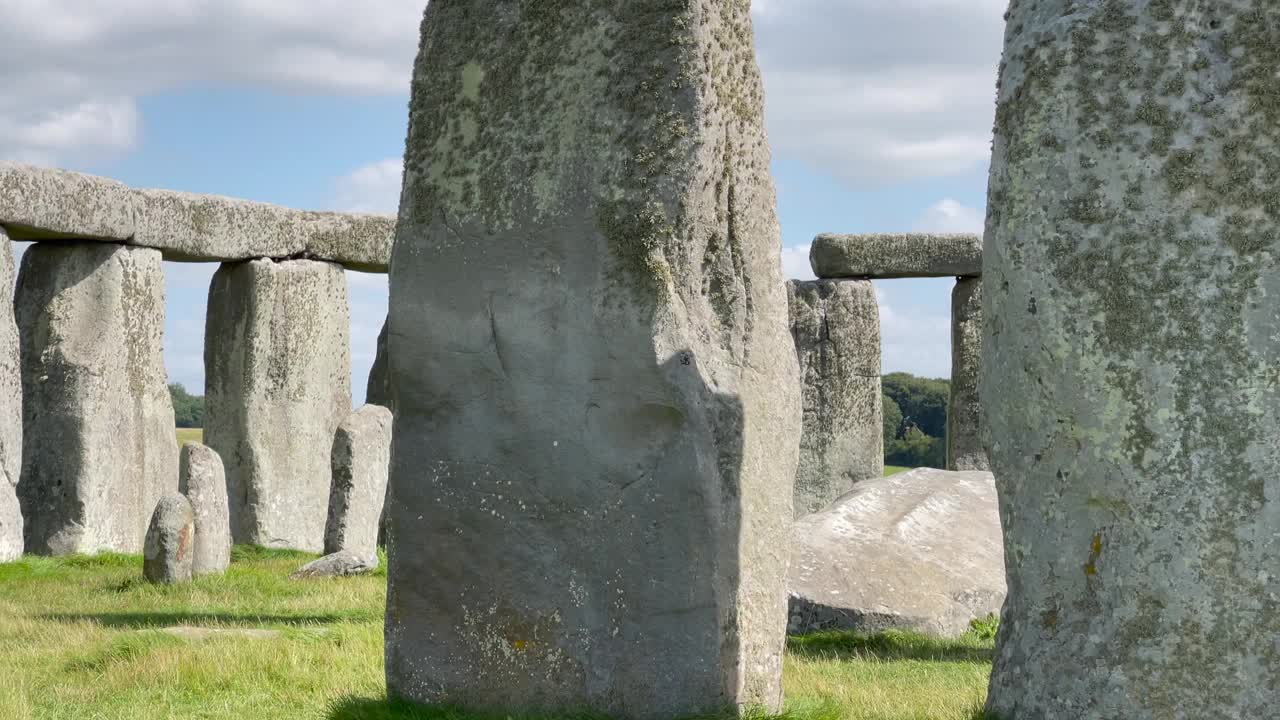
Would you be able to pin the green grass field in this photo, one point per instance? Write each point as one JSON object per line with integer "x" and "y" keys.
{"x": 186, "y": 435}
{"x": 888, "y": 469}
{"x": 84, "y": 639}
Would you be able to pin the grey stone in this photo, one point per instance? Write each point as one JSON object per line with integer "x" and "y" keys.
{"x": 277, "y": 383}
{"x": 361, "y": 460}
{"x": 202, "y": 479}
{"x": 965, "y": 450}
{"x": 10, "y": 412}
{"x": 191, "y": 227}
{"x": 901, "y": 255}
{"x": 338, "y": 564}
{"x": 170, "y": 545}
{"x": 187, "y": 632}
{"x": 40, "y": 203}
{"x": 1131, "y": 305}
{"x": 378, "y": 391}
{"x": 920, "y": 550}
{"x": 98, "y": 442}
{"x": 596, "y": 394}
{"x": 836, "y": 327}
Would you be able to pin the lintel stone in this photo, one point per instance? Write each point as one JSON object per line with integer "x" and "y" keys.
{"x": 896, "y": 255}
{"x": 41, "y": 203}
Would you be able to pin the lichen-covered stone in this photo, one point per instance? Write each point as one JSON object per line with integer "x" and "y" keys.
{"x": 836, "y": 327}
{"x": 337, "y": 564}
{"x": 98, "y": 443}
{"x": 277, "y": 383}
{"x": 10, "y": 412}
{"x": 378, "y": 391}
{"x": 361, "y": 461}
{"x": 916, "y": 551}
{"x": 902, "y": 255}
{"x": 202, "y": 479}
{"x": 1132, "y": 316}
{"x": 170, "y": 545}
{"x": 596, "y": 395}
{"x": 40, "y": 203}
{"x": 965, "y": 450}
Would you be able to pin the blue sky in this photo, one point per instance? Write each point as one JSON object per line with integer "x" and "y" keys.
{"x": 879, "y": 115}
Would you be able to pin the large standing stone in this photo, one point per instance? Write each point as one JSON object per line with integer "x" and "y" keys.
{"x": 361, "y": 457}
{"x": 965, "y": 450}
{"x": 202, "y": 479}
{"x": 1132, "y": 303}
{"x": 10, "y": 412}
{"x": 597, "y": 410}
{"x": 378, "y": 391}
{"x": 98, "y": 443}
{"x": 170, "y": 546}
{"x": 277, "y": 383}
{"x": 836, "y": 327}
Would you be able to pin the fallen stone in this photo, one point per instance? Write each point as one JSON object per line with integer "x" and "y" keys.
{"x": 836, "y": 328}
{"x": 378, "y": 391}
{"x": 98, "y": 444}
{"x": 361, "y": 461}
{"x": 597, "y": 402}
{"x": 965, "y": 449}
{"x": 890, "y": 256}
{"x": 170, "y": 545}
{"x": 202, "y": 479}
{"x": 40, "y": 204}
{"x": 200, "y": 633}
{"x": 920, "y": 550}
{"x": 338, "y": 564}
{"x": 277, "y": 384}
{"x": 1132, "y": 314}
{"x": 10, "y": 412}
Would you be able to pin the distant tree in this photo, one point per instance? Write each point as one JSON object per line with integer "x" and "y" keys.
{"x": 188, "y": 409}
{"x": 923, "y": 401}
{"x": 892, "y": 421}
{"x": 916, "y": 449}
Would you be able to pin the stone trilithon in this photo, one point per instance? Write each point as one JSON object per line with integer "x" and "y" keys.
{"x": 597, "y": 409}
{"x": 1132, "y": 328}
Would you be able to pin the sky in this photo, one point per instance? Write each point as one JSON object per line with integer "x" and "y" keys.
{"x": 879, "y": 115}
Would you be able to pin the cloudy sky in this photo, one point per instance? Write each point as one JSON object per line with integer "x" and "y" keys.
{"x": 879, "y": 115}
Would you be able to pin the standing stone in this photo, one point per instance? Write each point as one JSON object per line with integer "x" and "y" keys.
{"x": 10, "y": 412}
{"x": 964, "y": 442}
{"x": 378, "y": 391}
{"x": 98, "y": 443}
{"x": 836, "y": 327}
{"x": 277, "y": 383}
{"x": 202, "y": 479}
{"x": 361, "y": 456}
{"x": 170, "y": 546}
{"x": 597, "y": 408}
{"x": 1132, "y": 304}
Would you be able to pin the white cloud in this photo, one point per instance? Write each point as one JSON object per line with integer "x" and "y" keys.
{"x": 917, "y": 341}
{"x": 795, "y": 263}
{"x": 373, "y": 188}
{"x": 950, "y": 216}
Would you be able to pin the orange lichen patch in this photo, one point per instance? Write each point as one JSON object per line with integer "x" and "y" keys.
{"x": 1091, "y": 567}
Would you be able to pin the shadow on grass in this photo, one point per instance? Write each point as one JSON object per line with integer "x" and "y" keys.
{"x": 888, "y": 646}
{"x": 141, "y": 620}
{"x": 358, "y": 708}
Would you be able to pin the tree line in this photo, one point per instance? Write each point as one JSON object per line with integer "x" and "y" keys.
{"x": 188, "y": 409}
{"x": 915, "y": 420}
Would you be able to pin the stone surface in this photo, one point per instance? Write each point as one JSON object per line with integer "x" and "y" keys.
{"x": 40, "y": 203}
{"x": 965, "y": 450}
{"x": 202, "y": 479}
{"x": 1132, "y": 329}
{"x": 902, "y": 255}
{"x": 338, "y": 564}
{"x": 10, "y": 413}
{"x": 187, "y": 632}
{"x": 361, "y": 461}
{"x": 596, "y": 394}
{"x": 277, "y": 383}
{"x": 920, "y": 550}
{"x": 98, "y": 442}
{"x": 170, "y": 545}
{"x": 836, "y": 328}
{"x": 378, "y": 391}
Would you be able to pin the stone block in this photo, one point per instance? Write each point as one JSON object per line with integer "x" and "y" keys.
{"x": 170, "y": 544}
{"x": 361, "y": 461}
{"x": 202, "y": 479}
{"x": 41, "y": 204}
{"x": 901, "y": 255}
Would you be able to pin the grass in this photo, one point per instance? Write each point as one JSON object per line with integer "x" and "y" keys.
{"x": 888, "y": 469}
{"x": 79, "y": 638}
{"x": 186, "y": 435}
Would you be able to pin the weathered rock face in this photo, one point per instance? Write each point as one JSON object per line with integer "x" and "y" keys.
{"x": 965, "y": 450}
{"x": 98, "y": 444}
{"x": 277, "y": 383}
{"x": 202, "y": 479}
{"x": 917, "y": 551}
{"x": 10, "y": 412}
{"x": 597, "y": 411}
{"x": 836, "y": 327}
{"x": 337, "y": 564}
{"x": 170, "y": 545}
{"x": 40, "y": 203}
{"x": 361, "y": 460}
{"x": 378, "y": 391}
{"x": 896, "y": 255}
{"x": 1131, "y": 304}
